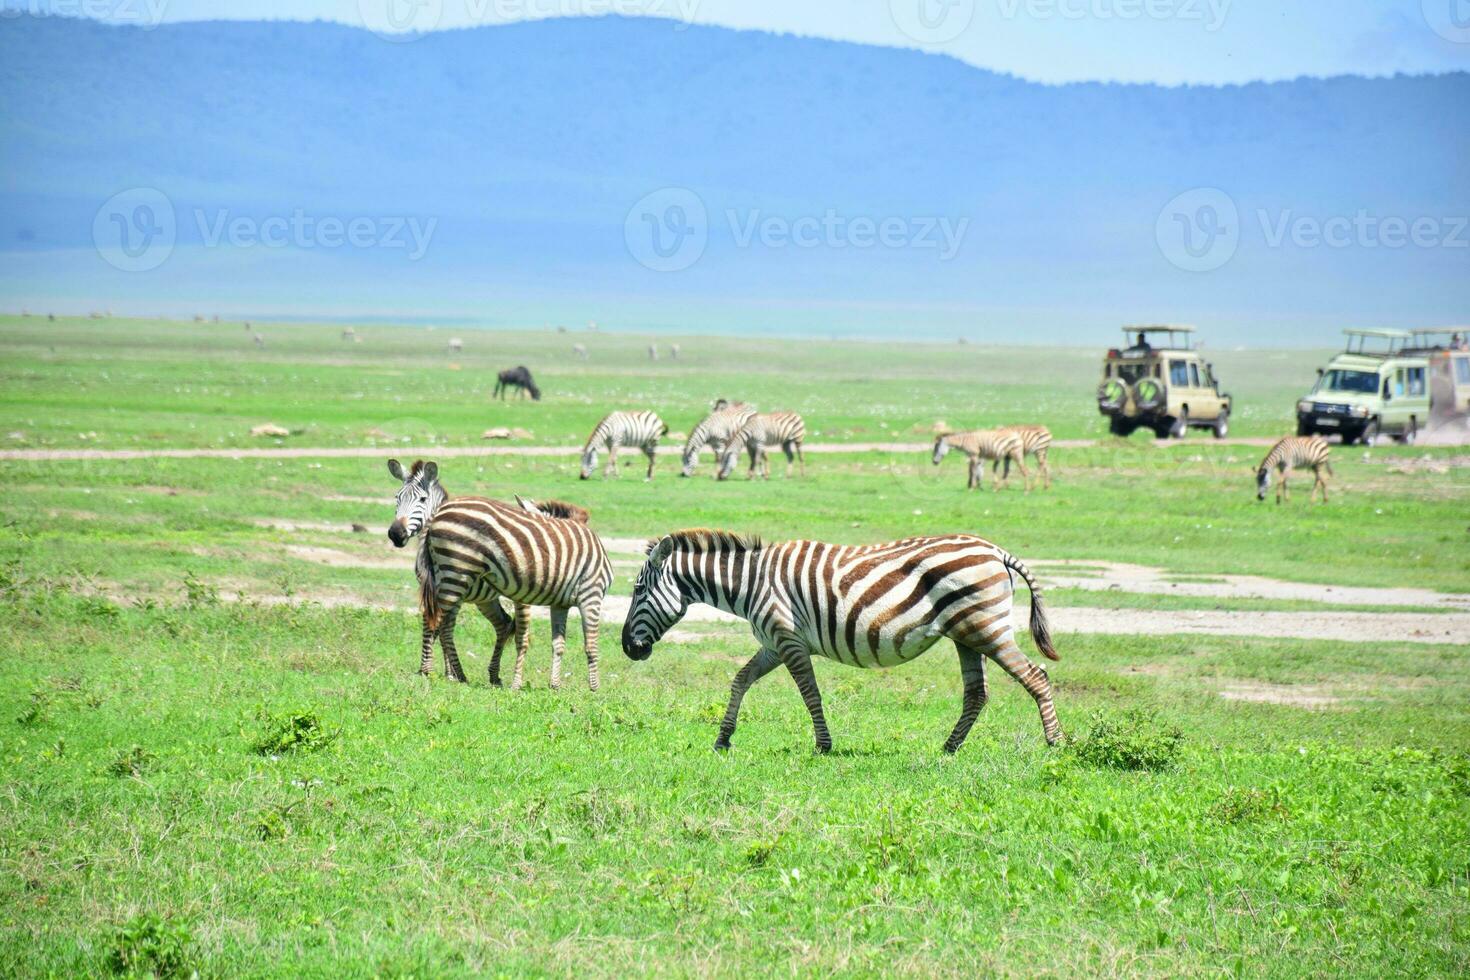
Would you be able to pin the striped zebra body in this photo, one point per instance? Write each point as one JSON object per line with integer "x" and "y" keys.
{"x": 619, "y": 430}
{"x": 865, "y": 606}
{"x": 1291, "y": 453}
{"x": 475, "y": 550}
{"x": 784, "y": 429}
{"x": 1036, "y": 442}
{"x": 715, "y": 431}
{"x": 979, "y": 445}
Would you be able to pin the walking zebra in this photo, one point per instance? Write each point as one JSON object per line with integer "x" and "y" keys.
{"x": 714, "y": 430}
{"x": 867, "y": 606}
{"x": 784, "y": 429}
{"x": 1035, "y": 441}
{"x": 476, "y": 550}
{"x": 641, "y": 429}
{"x": 1291, "y": 453}
{"x": 982, "y": 444}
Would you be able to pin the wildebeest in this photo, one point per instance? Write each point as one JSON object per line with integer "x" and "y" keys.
{"x": 516, "y": 377}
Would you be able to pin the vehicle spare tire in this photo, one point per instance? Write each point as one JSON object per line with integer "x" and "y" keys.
{"x": 1111, "y": 394}
{"x": 1148, "y": 394}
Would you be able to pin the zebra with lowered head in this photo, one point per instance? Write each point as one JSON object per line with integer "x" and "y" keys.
{"x": 637, "y": 429}
{"x": 474, "y": 550}
{"x": 1291, "y": 453}
{"x": 519, "y": 378}
{"x": 784, "y": 429}
{"x": 867, "y": 606}
{"x": 980, "y": 445}
{"x": 714, "y": 430}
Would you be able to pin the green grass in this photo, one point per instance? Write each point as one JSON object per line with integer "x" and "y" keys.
{"x": 263, "y": 787}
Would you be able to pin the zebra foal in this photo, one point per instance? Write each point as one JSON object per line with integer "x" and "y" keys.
{"x": 637, "y": 429}
{"x": 980, "y": 445}
{"x": 714, "y": 430}
{"x": 867, "y": 606}
{"x": 475, "y": 550}
{"x": 784, "y": 429}
{"x": 1290, "y": 453}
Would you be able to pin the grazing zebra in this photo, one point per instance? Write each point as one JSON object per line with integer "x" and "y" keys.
{"x": 784, "y": 429}
{"x": 580, "y": 350}
{"x": 714, "y": 430}
{"x": 259, "y": 340}
{"x": 456, "y": 345}
{"x": 982, "y": 444}
{"x": 674, "y": 351}
{"x": 1291, "y": 453}
{"x": 641, "y": 429}
{"x": 868, "y": 606}
{"x": 1035, "y": 441}
{"x": 519, "y": 378}
{"x": 475, "y": 550}
{"x": 653, "y": 352}
{"x": 349, "y": 334}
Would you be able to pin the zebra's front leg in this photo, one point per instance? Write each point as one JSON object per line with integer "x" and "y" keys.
{"x": 650, "y": 453}
{"x": 591, "y": 611}
{"x": 1025, "y": 476}
{"x": 523, "y": 644}
{"x": 800, "y": 461}
{"x": 612, "y": 461}
{"x": 799, "y": 663}
{"x": 1282, "y": 494}
{"x": 757, "y": 667}
{"x": 504, "y": 630}
{"x": 452, "y": 669}
{"x": 426, "y": 654}
{"x": 1322, "y": 481}
{"x": 972, "y": 672}
{"x": 1033, "y": 678}
{"x": 558, "y": 643}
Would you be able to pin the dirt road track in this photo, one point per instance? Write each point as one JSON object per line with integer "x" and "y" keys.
{"x": 447, "y": 452}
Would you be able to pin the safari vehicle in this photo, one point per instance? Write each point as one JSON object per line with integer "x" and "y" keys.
{"x": 1448, "y": 352}
{"x": 1166, "y": 388}
{"x": 1378, "y": 386}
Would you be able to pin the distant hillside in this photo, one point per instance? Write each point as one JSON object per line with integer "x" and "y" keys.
{"x": 521, "y": 149}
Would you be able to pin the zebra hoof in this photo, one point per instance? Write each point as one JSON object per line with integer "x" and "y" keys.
{"x": 722, "y": 744}
{"x": 824, "y": 747}
{"x": 950, "y": 748}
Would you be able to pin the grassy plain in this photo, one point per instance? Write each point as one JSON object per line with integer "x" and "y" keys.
{"x": 262, "y": 787}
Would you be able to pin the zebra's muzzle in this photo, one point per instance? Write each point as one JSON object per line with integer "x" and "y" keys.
{"x": 398, "y": 533}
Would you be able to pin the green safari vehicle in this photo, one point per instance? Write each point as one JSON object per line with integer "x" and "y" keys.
{"x": 1378, "y": 386}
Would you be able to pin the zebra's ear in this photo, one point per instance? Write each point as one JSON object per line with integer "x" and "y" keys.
{"x": 529, "y": 506}
{"x": 396, "y": 468}
{"x": 660, "y": 552}
{"x": 430, "y": 471}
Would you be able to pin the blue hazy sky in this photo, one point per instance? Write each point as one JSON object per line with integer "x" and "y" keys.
{"x": 1166, "y": 41}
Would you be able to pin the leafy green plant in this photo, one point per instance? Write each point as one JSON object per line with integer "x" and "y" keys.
{"x": 1239, "y": 806}
{"x": 148, "y": 944}
{"x": 1132, "y": 740}
{"x": 300, "y": 731}
{"x": 198, "y": 592}
{"x": 132, "y": 762}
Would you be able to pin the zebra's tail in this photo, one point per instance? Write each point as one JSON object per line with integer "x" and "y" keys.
{"x": 1040, "y": 628}
{"x": 428, "y": 588}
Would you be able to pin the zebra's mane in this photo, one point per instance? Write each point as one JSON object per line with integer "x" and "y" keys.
{"x": 563, "y": 510}
{"x": 699, "y": 540}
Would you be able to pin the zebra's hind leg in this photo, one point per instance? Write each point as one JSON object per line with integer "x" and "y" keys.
{"x": 799, "y": 663}
{"x": 972, "y": 672}
{"x": 1033, "y": 678}
{"x": 757, "y": 667}
{"x": 558, "y": 643}
{"x": 591, "y": 611}
{"x": 452, "y": 669}
{"x": 1025, "y": 475}
{"x": 1045, "y": 468}
{"x": 504, "y": 630}
{"x": 523, "y": 644}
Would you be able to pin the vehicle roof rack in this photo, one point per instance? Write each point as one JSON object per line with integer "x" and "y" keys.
{"x": 1158, "y": 328}
{"x": 1435, "y": 339}
{"x": 1382, "y": 334}
{"x": 1391, "y": 342}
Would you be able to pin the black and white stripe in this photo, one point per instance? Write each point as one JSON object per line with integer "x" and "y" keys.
{"x": 1036, "y": 442}
{"x": 714, "y": 430}
{"x": 980, "y": 445}
{"x": 1290, "y": 453}
{"x": 866, "y": 606}
{"x": 784, "y": 429}
{"x": 623, "y": 429}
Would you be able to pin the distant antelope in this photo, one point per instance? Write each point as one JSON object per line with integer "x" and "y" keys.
{"x": 475, "y": 550}
{"x": 715, "y": 431}
{"x": 259, "y": 340}
{"x": 580, "y": 350}
{"x": 349, "y": 334}
{"x": 456, "y": 344}
{"x": 980, "y": 445}
{"x": 1035, "y": 441}
{"x": 636, "y": 429}
{"x": 1291, "y": 453}
{"x": 784, "y": 429}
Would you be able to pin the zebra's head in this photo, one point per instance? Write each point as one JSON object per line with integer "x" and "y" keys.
{"x": 1263, "y": 482}
{"x": 589, "y": 461}
{"x": 691, "y": 460}
{"x": 941, "y": 446}
{"x": 418, "y": 499}
{"x": 658, "y": 603}
{"x": 728, "y": 456}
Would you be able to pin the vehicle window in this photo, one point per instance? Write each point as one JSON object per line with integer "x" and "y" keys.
{"x": 1178, "y": 373}
{"x": 1398, "y": 382}
{"x": 1131, "y": 372}
{"x": 1194, "y": 375}
{"x": 1462, "y": 370}
{"x": 1416, "y": 381}
{"x": 1340, "y": 379}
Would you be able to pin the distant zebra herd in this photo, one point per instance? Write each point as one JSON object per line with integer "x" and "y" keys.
{"x": 727, "y": 429}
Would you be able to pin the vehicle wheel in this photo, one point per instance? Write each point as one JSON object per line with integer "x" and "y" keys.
{"x": 1304, "y": 428}
{"x": 1221, "y": 428}
{"x": 1119, "y": 426}
{"x": 1369, "y": 434}
{"x": 1180, "y": 425}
